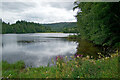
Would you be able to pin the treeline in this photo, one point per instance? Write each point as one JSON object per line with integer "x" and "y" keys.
{"x": 70, "y": 30}
{"x": 31, "y": 27}
{"x": 24, "y": 27}
{"x": 99, "y": 22}
{"x": 69, "y": 27}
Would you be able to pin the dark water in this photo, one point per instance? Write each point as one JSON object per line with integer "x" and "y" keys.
{"x": 87, "y": 48}
{"x": 36, "y": 49}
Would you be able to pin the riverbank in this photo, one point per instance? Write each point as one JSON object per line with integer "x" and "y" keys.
{"x": 78, "y": 67}
{"x": 87, "y": 47}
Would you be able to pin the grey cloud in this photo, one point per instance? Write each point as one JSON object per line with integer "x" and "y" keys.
{"x": 16, "y": 6}
{"x": 37, "y": 17}
{"x": 42, "y": 18}
{"x": 65, "y": 5}
{"x": 43, "y": 12}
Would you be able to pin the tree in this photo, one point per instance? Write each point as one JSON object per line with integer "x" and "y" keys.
{"x": 99, "y": 22}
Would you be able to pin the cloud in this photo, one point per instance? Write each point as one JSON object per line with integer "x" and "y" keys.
{"x": 65, "y": 5}
{"x": 38, "y": 11}
{"x": 16, "y": 6}
{"x": 37, "y": 0}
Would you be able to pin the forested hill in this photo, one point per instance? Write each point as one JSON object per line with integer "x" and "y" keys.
{"x": 31, "y": 27}
{"x": 62, "y": 26}
{"x": 23, "y": 27}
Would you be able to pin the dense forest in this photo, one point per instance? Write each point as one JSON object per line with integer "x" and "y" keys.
{"x": 24, "y": 27}
{"x": 99, "y": 22}
{"x": 31, "y": 27}
{"x": 63, "y": 27}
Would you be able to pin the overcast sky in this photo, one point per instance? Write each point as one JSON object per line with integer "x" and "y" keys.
{"x": 38, "y": 11}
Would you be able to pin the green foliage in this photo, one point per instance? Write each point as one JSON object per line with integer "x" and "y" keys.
{"x": 99, "y": 22}
{"x": 24, "y": 27}
{"x": 70, "y": 30}
{"x": 67, "y": 27}
{"x": 30, "y": 27}
{"x": 12, "y": 69}
{"x": 17, "y": 65}
{"x": 76, "y": 68}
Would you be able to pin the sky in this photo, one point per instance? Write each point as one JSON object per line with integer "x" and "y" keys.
{"x": 39, "y": 11}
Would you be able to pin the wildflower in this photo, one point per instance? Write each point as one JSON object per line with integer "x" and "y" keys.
{"x": 72, "y": 57}
{"x": 65, "y": 56}
{"x": 57, "y": 63}
{"x": 91, "y": 56}
{"x": 9, "y": 74}
{"x": 99, "y": 56}
{"x": 78, "y": 55}
{"x": 88, "y": 57}
{"x": 76, "y": 66}
{"x": 99, "y": 53}
{"x": 56, "y": 58}
{"x": 106, "y": 57}
{"x": 92, "y": 61}
{"x": 59, "y": 57}
{"x": 83, "y": 59}
{"x": 117, "y": 51}
{"x": 103, "y": 59}
{"x": 68, "y": 75}
{"x": 78, "y": 76}
{"x": 116, "y": 54}
{"x": 111, "y": 55}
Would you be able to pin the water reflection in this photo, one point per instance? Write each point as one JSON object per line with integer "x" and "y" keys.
{"x": 87, "y": 48}
{"x": 36, "y": 49}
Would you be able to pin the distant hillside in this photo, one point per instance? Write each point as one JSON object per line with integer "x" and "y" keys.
{"x": 24, "y": 27}
{"x": 31, "y": 27}
{"x": 58, "y": 27}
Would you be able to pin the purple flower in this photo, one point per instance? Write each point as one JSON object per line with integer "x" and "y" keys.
{"x": 78, "y": 55}
{"x": 59, "y": 57}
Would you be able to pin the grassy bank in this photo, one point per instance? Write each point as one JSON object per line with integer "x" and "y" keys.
{"x": 79, "y": 67}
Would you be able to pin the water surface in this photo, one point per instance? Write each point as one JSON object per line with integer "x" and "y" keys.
{"x": 36, "y": 49}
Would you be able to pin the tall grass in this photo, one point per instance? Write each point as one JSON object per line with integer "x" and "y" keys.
{"x": 78, "y": 67}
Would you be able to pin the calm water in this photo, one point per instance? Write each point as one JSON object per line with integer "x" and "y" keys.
{"x": 36, "y": 49}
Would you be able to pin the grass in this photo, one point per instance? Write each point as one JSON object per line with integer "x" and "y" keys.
{"x": 76, "y": 68}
